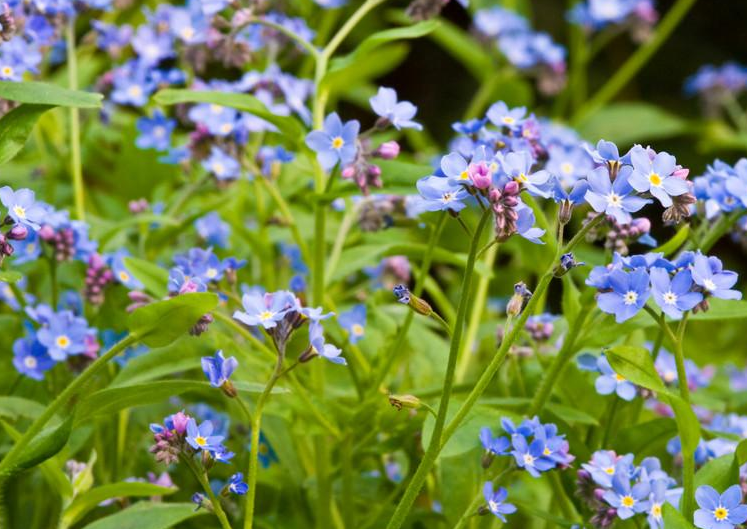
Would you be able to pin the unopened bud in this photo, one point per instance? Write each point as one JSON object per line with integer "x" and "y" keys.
{"x": 521, "y": 295}
{"x": 18, "y": 232}
{"x": 567, "y": 261}
{"x": 229, "y": 389}
{"x": 565, "y": 210}
{"x": 348, "y": 172}
{"x": 388, "y": 150}
{"x": 405, "y": 401}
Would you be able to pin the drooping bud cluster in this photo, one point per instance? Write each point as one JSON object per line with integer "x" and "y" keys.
{"x": 169, "y": 438}
{"x": 98, "y": 275}
{"x": 504, "y": 202}
{"x": 140, "y": 205}
{"x": 364, "y": 173}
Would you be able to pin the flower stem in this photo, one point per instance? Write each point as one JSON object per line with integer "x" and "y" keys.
{"x": 201, "y": 476}
{"x": 254, "y": 451}
{"x": 76, "y": 169}
{"x": 272, "y": 188}
{"x": 434, "y": 447}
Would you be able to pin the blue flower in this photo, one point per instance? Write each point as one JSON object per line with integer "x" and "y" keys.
{"x": 236, "y": 484}
{"x": 496, "y": 501}
{"x": 630, "y": 291}
{"x": 708, "y": 273}
{"x": 525, "y": 224}
{"x": 155, "y": 132}
{"x": 719, "y": 511}
{"x": 121, "y": 274}
{"x": 613, "y": 198}
{"x": 151, "y": 46}
{"x": 354, "y": 321}
{"x": 610, "y": 382}
{"x": 267, "y": 454}
{"x": 497, "y": 446}
{"x": 265, "y": 309}
{"x": 604, "y": 464}
{"x": 318, "y": 345}
{"x": 28, "y": 249}
{"x": 218, "y": 120}
{"x": 438, "y": 194}
{"x": 661, "y": 494}
{"x": 399, "y": 114}
{"x": 220, "y": 164}
{"x": 501, "y": 116}
{"x": 568, "y": 164}
{"x": 30, "y": 357}
{"x": 335, "y": 142}
{"x": 626, "y": 499}
{"x": 201, "y": 438}
{"x": 213, "y": 230}
{"x": 673, "y": 295}
{"x": 530, "y": 456}
{"x": 22, "y": 207}
{"x": 218, "y": 369}
{"x": 64, "y": 335}
{"x": 181, "y": 283}
{"x": 655, "y": 176}
{"x": 518, "y": 165}
{"x": 330, "y": 4}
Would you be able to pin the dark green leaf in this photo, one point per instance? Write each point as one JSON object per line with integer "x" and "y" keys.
{"x": 15, "y": 128}
{"x": 45, "y": 445}
{"x": 153, "y": 277}
{"x": 48, "y": 95}
{"x": 646, "y": 437}
{"x": 162, "y": 322}
{"x": 125, "y": 489}
{"x": 627, "y": 123}
{"x": 741, "y": 452}
{"x": 148, "y": 515}
{"x": 636, "y": 365}
{"x": 289, "y": 126}
{"x": 673, "y": 519}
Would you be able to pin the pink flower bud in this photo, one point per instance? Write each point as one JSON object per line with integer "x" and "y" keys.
{"x": 18, "y": 232}
{"x": 681, "y": 173}
{"x": 480, "y": 175}
{"x": 374, "y": 170}
{"x": 642, "y": 223}
{"x": 388, "y": 150}
{"x": 46, "y": 232}
{"x": 180, "y": 420}
{"x": 512, "y": 188}
{"x": 348, "y": 172}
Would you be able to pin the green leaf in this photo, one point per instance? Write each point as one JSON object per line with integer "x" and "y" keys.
{"x": 532, "y": 510}
{"x": 45, "y": 445}
{"x": 10, "y": 276}
{"x": 636, "y": 365}
{"x": 741, "y": 452}
{"x": 148, "y": 515}
{"x": 162, "y": 322}
{"x": 671, "y": 246}
{"x": 15, "y": 128}
{"x": 720, "y": 473}
{"x": 382, "y": 37}
{"x": 153, "y": 277}
{"x": 48, "y": 95}
{"x": 673, "y": 519}
{"x": 84, "y": 503}
{"x": 688, "y": 425}
{"x": 379, "y": 62}
{"x": 570, "y": 301}
{"x": 287, "y": 125}
{"x": 723, "y": 309}
{"x": 15, "y": 407}
{"x": 628, "y": 123}
{"x": 645, "y": 438}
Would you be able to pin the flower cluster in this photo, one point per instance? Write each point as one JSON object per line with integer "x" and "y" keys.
{"x": 721, "y": 189}
{"x": 613, "y": 487}
{"x": 678, "y": 286}
{"x": 638, "y": 16}
{"x": 530, "y": 51}
{"x": 198, "y": 268}
{"x": 729, "y": 79}
{"x": 537, "y": 447}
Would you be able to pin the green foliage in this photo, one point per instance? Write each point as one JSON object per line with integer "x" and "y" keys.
{"x": 162, "y": 322}
{"x": 148, "y": 515}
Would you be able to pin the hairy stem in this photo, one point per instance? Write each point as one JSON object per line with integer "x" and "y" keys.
{"x": 76, "y": 169}
{"x": 201, "y": 476}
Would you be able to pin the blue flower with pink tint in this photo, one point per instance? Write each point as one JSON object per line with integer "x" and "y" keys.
{"x": 656, "y": 175}
{"x": 201, "y": 437}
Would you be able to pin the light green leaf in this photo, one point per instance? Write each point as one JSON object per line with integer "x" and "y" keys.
{"x": 741, "y": 452}
{"x": 636, "y": 365}
{"x": 162, "y": 322}
{"x": 720, "y": 473}
{"x": 287, "y": 125}
{"x": 15, "y": 128}
{"x": 688, "y": 425}
{"x": 673, "y": 519}
{"x": 10, "y": 276}
{"x": 379, "y": 62}
{"x": 48, "y": 95}
{"x": 148, "y": 515}
{"x": 382, "y": 37}
{"x": 153, "y": 277}
{"x": 723, "y": 309}
{"x": 645, "y": 437}
{"x": 627, "y": 123}
{"x": 671, "y": 246}
{"x": 86, "y": 502}
{"x": 15, "y": 407}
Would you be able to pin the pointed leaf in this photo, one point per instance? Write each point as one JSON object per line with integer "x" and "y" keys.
{"x": 153, "y": 277}
{"x": 673, "y": 519}
{"x": 635, "y": 364}
{"x": 148, "y": 515}
{"x": 162, "y": 322}
{"x": 48, "y": 94}
{"x": 15, "y": 128}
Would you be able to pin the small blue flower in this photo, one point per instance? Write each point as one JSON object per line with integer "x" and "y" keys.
{"x": 438, "y": 194}
{"x": 201, "y": 438}
{"x": 616, "y": 198}
{"x": 497, "y": 446}
{"x": 518, "y": 165}
{"x": 661, "y": 494}
{"x": 525, "y": 224}
{"x": 318, "y": 345}
{"x": 181, "y": 283}
{"x": 121, "y": 274}
{"x": 64, "y": 335}
{"x": 719, "y": 511}
{"x": 220, "y": 164}
{"x": 335, "y": 142}
{"x": 626, "y": 499}
{"x": 530, "y": 456}
{"x": 267, "y": 454}
{"x": 155, "y": 132}
{"x": 604, "y": 464}
{"x": 213, "y": 230}
{"x": 655, "y": 175}
{"x": 610, "y": 382}
{"x": 265, "y": 309}
{"x": 496, "y": 501}
{"x": 708, "y": 273}
{"x": 630, "y": 291}
{"x": 217, "y": 119}
{"x": 399, "y": 114}
{"x": 236, "y": 484}
{"x": 673, "y": 295}
{"x": 354, "y": 321}
{"x": 30, "y": 357}
{"x": 23, "y": 207}
{"x": 501, "y": 116}
{"x": 218, "y": 369}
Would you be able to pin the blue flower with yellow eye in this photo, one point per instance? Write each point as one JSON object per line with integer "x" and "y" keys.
{"x": 201, "y": 437}
{"x": 628, "y": 293}
{"x": 354, "y": 321}
{"x": 336, "y": 142}
{"x": 155, "y": 132}
{"x": 719, "y": 511}
{"x": 221, "y": 165}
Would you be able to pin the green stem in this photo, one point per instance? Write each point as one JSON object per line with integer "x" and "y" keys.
{"x": 434, "y": 447}
{"x": 76, "y": 168}
{"x": 62, "y": 399}
{"x": 441, "y": 321}
{"x": 254, "y": 450}
{"x": 287, "y": 216}
{"x": 337, "y": 247}
{"x": 736, "y": 112}
{"x": 561, "y": 498}
{"x": 308, "y": 46}
{"x": 635, "y": 62}
{"x": 345, "y": 30}
{"x": 202, "y": 478}
{"x": 720, "y": 228}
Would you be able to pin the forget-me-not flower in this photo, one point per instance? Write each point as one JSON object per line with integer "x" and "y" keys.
{"x": 335, "y": 142}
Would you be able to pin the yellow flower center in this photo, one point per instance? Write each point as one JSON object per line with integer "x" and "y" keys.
{"x": 656, "y": 510}
{"x": 566, "y": 168}
{"x": 216, "y": 109}
{"x": 720, "y": 513}
{"x": 627, "y": 501}
{"x": 124, "y": 276}
{"x": 546, "y": 452}
{"x": 337, "y": 142}
{"x": 609, "y": 471}
{"x": 464, "y": 175}
{"x": 263, "y": 449}
{"x": 200, "y": 440}
{"x": 655, "y": 179}
{"x": 226, "y": 128}
{"x": 508, "y": 120}
{"x": 619, "y": 378}
{"x": 266, "y": 315}
{"x": 521, "y": 178}
{"x": 7, "y": 71}
{"x": 211, "y": 273}
{"x": 188, "y": 33}
{"x": 20, "y": 211}
{"x": 135, "y": 91}
{"x": 357, "y": 329}
{"x": 30, "y": 248}
{"x": 62, "y": 341}
{"x": 218, "y": 168}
